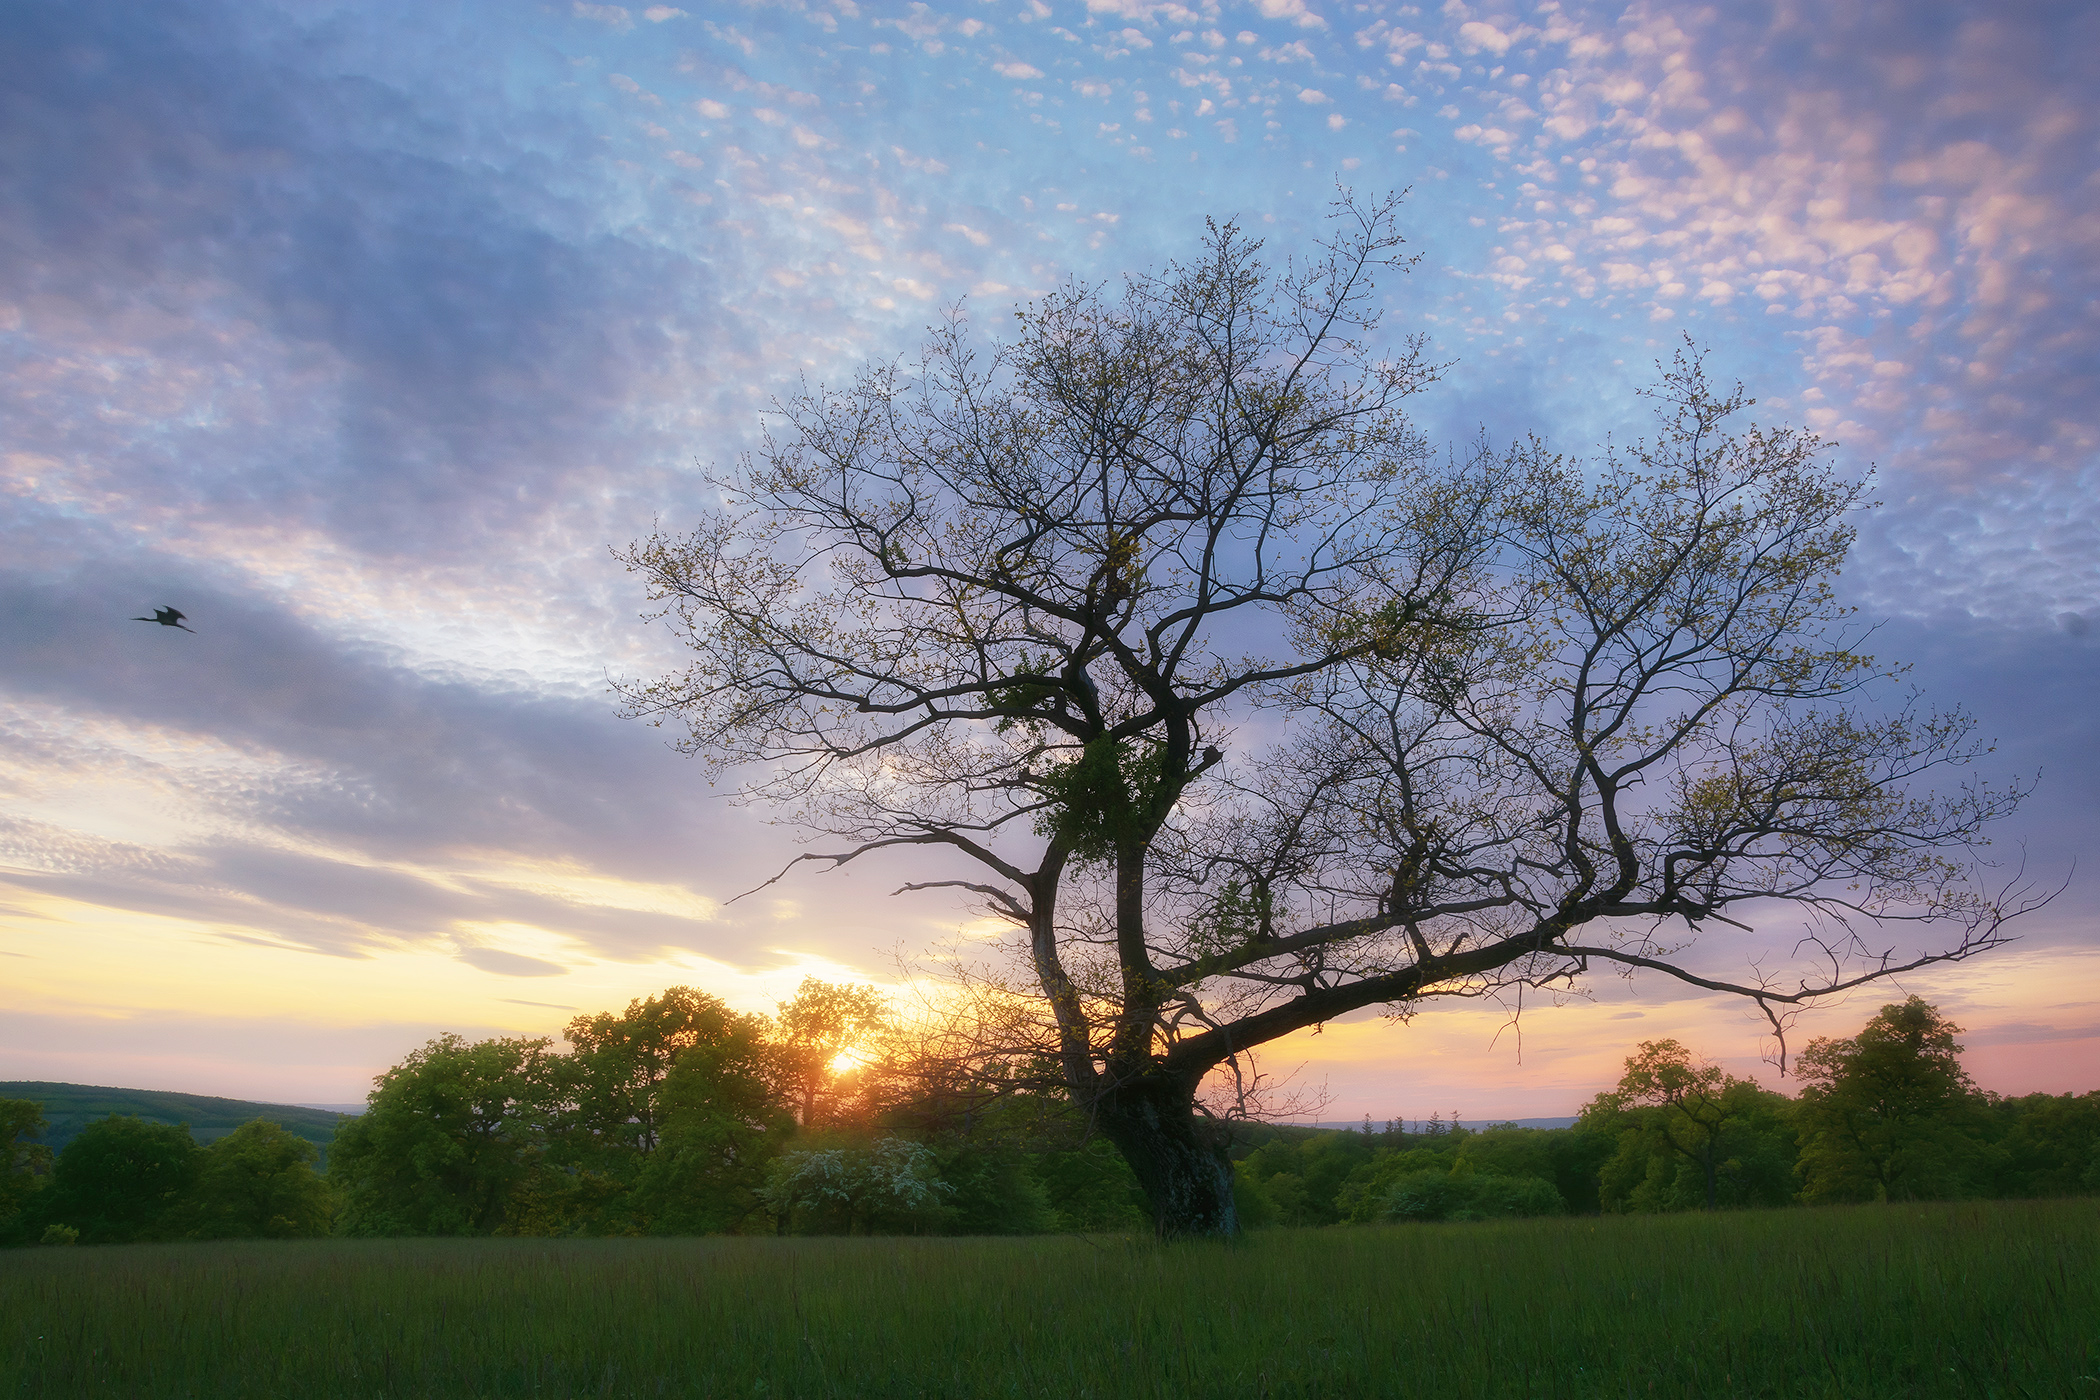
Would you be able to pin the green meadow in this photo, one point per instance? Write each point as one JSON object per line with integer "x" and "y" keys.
{"x": 1965, "y": 1299}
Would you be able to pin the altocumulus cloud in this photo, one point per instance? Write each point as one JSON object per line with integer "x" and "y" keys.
{"x": 359, "y": 335}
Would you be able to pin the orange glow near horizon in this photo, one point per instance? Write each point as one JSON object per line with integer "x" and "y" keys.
{"x": 96, "y": 995}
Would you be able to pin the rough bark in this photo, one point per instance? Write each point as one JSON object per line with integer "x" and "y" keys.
{"x": 1179, "y": 1160}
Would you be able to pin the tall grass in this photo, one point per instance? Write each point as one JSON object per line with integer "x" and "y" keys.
{"x": 1982, "y": 1299}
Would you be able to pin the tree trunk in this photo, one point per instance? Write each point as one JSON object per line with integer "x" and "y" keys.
{"x": 1181, "y": 1165}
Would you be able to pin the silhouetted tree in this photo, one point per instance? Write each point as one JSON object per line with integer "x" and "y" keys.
{"x": 811, "y": 1032}
{"x": 1495, "y": 719}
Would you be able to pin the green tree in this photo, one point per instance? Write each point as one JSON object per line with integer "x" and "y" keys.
{"x": 258, "y": 1182}
{"x": 620, "y": 1062}
{"x": 1363, "y": 1198}
{"x": 2051, "y": 1144}
{"x": 449, "y": 1141}
{"x": 1009, "y": 604}
{"x": 1090, "y": 1188}
{"x": 721, "y": 1127}
{"x": 993, "y": 1188}
{"x": 1304, "y": 1179}
{"x": 1667, "y": 1112}
{"x": 24, "y": 1162}
{"x": 1890, "y": 1114}
{"x": 122, "y": 1179}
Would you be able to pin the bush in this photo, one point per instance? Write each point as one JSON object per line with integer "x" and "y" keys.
{"x": 1435, "y": 1195}
{"x": 1091, "y": 1188}
{"x": 995, "y": 1192}
{"x": 891, "y": 1187}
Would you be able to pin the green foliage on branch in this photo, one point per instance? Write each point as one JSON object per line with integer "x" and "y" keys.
{"x": 1114, "y": 792}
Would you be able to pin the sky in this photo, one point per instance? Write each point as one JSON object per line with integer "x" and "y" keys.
{"x": 362, "y": 334}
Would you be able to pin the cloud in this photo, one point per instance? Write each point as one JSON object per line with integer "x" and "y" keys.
{"x": 442, "y": 352}
{"x": 511, "y": 965}
{"x": 362, "y": 351}
{"x": 1148, "y": 11}
{"x": 1474, "y": 36}
{"x": 320, "y": 797}
{"x": 1293, "y": 10}
{"x": 1919, "y": 222}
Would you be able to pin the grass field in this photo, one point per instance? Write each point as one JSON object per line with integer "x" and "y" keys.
{"x": 1977, "y": 1299}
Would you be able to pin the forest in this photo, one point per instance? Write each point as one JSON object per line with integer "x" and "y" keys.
{"x": 681, "y": 1116}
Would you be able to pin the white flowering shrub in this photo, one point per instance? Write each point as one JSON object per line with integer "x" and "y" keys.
{"x": 891, "y": 1186}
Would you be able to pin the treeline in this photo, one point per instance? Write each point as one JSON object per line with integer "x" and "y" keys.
{"x": 1886, "y": 1115}
{"x": 682, "y": 1116}
{"x": 679, "y": 1116}
{"x": 123, "y": 1179}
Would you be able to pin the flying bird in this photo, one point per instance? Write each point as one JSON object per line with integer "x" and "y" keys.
{"x": 167, "y": 617}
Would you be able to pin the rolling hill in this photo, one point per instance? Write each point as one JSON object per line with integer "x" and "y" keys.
{"x": 69, "y": 1107}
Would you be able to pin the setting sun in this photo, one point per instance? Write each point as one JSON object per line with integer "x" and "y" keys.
{"x": 847, "y": 1061}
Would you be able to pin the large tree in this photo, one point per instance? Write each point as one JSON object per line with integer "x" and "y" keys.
{"x": 618, "y": 1071}
{"x": 1160, "y": 629}
{"x": 258, "y": 1182}
{"x": 1890, "y": 1114}
{"x": 1669, "y": 1112}
{"x": 823, "y": 1024}
{"x": 448, "y": 1140}
{"x": 122, "y": 1179}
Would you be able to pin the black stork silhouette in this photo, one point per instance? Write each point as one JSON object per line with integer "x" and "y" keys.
{"x": 167, "y": 617}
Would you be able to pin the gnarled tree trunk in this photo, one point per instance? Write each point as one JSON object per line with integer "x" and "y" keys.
{"x": 1179, "y": 1160}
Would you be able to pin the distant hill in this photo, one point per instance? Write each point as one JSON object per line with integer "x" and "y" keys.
{"x": 69, "y": 1108}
